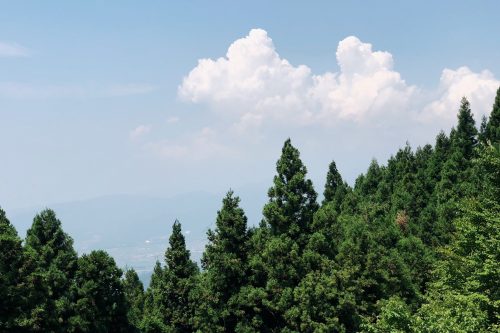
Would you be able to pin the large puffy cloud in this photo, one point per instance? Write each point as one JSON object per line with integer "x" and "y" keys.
{"x": 254, "y": 84}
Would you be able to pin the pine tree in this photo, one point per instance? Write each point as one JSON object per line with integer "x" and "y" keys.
{"x": 54, "y": 261}
{"x": 292, "y": 199}
{"x": 134, "y": 294}
{"x": 101, "y": 305}
{"x": 465, "y": 139}
{"x": 11, "y": 263}
{"x": 179, "y": 281}
{"x": 225, "y": 265}
{"x": 289, "y": 215}
{"x": 493, "y": 126}
{"x": 152, "y": 320}
{"x": 455, "y": 181}
{"x": 335, "y": 187}
{"x": 483, "y": 134}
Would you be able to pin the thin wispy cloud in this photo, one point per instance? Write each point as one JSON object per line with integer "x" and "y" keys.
{"x": 27, "y": 91}
{"x": 172, "y": 120}
{"x": 139, "y": 132}
{"x": 12, "y": 50}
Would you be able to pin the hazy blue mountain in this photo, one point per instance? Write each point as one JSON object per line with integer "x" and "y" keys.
{"x": 134, "y": 229}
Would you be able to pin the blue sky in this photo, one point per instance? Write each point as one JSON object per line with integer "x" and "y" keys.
{"x": 100, "y": 98}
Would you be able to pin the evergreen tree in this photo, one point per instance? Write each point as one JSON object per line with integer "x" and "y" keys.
{"x": 465, "y": 139}
{"x": 49, "y": 250}
{"x": 134, "y": 294}
{"x": 335, "y": 187}
{"x": 465, "y": 295}
{"x": 178, "y": 284}
{"x": 483, "y": 134}
{"x": 292, "y": 199}
{"x": 289, "y": 214}
{"x": 225, "y": 264}
{"x": 101, "y": 306}
{"x": 11, "y": 264}
{"x": 152, "y": 321}
{"x": 493, "y": 126}
{"x": 455, "y": 182}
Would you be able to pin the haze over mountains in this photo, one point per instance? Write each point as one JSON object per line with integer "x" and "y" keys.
{"x": 134, "y": 229}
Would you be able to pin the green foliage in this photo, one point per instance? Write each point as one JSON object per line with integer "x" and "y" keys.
{"x": 11, "y": 264}
{"x": 292, "y": 199}
{"x": 225, "y": 264}
{"x": 169, "y": 306}
{"x": 53, "y": 262}
{"x": 134, "y": 294}
{"x": 100, "y": 303}
{"x": 492, "y": 132}
{"x": 335, "y": 188}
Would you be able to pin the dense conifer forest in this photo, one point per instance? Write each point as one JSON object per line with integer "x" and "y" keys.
{"x": 413, "y": 246}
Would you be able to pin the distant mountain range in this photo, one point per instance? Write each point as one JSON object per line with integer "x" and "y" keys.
{"x": 134, "y": 229}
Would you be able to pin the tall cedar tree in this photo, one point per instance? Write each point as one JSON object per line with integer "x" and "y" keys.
{"x": 55, "y": 261}
{"x": 335, "y": 187}
{"x": 179, "y": 281}
{"x": 101, "y": 306}
{"x": 289, "y": 214}
{"x": 152, "y": 320}
{"x": 225, "y": 265}
{"x": 292, "y": 198}
{"x": 456, "y": 171}
{"x": 134, "y": 294}
{"x": 11, "y": 289}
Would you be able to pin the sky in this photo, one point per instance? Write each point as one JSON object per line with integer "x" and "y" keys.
{"x": 160, "y": 98}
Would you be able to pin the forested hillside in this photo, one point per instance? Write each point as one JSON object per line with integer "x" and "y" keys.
{"x": 413, "y": 246}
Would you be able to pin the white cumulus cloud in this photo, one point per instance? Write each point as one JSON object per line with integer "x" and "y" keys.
{"x": 254, "y": 85}
{"x": 479, "y": 88}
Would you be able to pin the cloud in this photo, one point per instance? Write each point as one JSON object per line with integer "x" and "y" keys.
{"x": 479, "y": 88}
{"x": 15, "y": 90}
{"x": 172, "y": 120}
{"x": 12, "y": 50}
{"x": 139, "y": 132}
{"x": 20, "y": 90}
{"x": 256, "y": 98}
{"x": 195, "y": 146}
{"x": 254, "y": 86}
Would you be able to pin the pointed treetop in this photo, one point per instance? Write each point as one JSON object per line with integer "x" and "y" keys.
{"x": 289, "y": 163}
{"x": 465, "y": 136}
{"x": 46, "y": 232}
{"x": 493, "y": 126}
{"x": 231, "y": 220}
{"x": 177, "y": 256}
{"x": 292, "y": 199}
{"x": 482, "y": 130}
{"x": 335, "y": 187}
